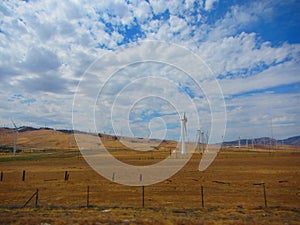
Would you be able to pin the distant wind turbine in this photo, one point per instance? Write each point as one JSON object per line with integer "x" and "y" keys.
{"x": 183, "y": 134}
{"x": 253, "y": 142}
{"x": 16, "y": 132}
{"x": 203, "y": 141}
{"x": 198, "y": 137}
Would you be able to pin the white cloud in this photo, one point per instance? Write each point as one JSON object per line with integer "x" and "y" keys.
{"x": 177, "y": 24}
{"x": 236, "y": 54}
{"x": 131, "y": 86}
{"x": 142, "y": 12}
{"x": 45, "y": 46}
{"x": 157, "y": 7}
{"x": 238, "y": 18}
{"x": 282, "y": 74}
{"x": 263, "y": 110}
{"x": 39, "y": 60}
{"x": 209, "y": 4}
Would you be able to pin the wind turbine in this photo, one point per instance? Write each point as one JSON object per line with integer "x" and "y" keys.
{"x": 15, "y": 137}
{"x": 253, "y": 142}
{"x": 202, "y": 140}
{"x": 183, "y": 134}
{"x": 198, "y": 136}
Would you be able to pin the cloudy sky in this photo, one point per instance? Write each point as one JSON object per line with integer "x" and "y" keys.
{"x": 251, "y": 47}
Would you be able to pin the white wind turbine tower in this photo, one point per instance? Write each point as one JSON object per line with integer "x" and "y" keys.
{"x": 183, "y": 134}
{"x": 16, "y": 131}
{"x": 198, "y": 136}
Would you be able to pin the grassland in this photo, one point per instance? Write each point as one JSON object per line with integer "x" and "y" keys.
{"x": 230, "y": 196}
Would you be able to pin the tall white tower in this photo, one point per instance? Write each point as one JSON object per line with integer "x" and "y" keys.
{"x": 183, "y": 134}
{"x": 198, "y": 136}
{"x": 15, "y": 137}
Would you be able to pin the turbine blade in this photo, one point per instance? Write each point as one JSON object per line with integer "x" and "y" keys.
{"x": 14, "y": 124}
{"x": 21, "y": 128}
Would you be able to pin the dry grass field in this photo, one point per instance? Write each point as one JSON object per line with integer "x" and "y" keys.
{"x": 230, "y": 196}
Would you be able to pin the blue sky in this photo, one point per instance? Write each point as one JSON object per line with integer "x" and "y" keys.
{"x": 252, "y": 47}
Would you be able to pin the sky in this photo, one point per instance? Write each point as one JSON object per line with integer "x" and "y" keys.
{"x": 250, "y": 47}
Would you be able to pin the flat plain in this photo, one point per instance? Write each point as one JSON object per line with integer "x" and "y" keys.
{"x": 232, "y": 187}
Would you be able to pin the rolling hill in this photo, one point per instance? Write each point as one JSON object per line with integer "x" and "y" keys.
{"x": 41, "y": 139}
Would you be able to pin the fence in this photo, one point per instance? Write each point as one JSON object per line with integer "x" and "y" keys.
{"x": 73, "y": 189}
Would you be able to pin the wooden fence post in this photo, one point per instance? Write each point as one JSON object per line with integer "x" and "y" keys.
{"x": 23, "y": 176}
{"x": 202, "y": 196}
{"x": 36, "y": 198}
{"x": 88, "y": 197}
{"x": 265, "y": 195}
{"x": 36, "y": 194}
{"x": 66, "y": 175}
{"x": 143, "y": 196}
{"x": 141, "y": 177}
{"x": 113, "y": 177}
{"x": 265, "y": 192}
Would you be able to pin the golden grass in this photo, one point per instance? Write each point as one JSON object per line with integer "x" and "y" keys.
{"x": 229, "y": 194}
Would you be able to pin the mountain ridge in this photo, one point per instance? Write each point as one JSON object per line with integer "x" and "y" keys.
{"x": 293, "y": 141}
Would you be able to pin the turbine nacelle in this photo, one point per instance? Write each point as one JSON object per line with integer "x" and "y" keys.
{"x": 183, "y": 118}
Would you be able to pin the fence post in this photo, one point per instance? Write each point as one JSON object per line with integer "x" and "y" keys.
{"x": 36, "y": 198}
{"x": 265, "y": 195}
{"x": 36, "y": 194}
{"x": 141, "y": 177}
{"x": 202, "y": 196}
{"x": 23, "y": 176}
{"x": 1, "y": 176}
{"x": 66, "y": 175}
{"x": 265, "y": 192}
{"x": 88, "y": 197}
{"x": 143, "y": 196}
{"x": 113, "y": 177}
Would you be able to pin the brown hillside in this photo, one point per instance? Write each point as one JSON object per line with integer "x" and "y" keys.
{"x": 42, "y": 139}
{"x": 48, "y": 139}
